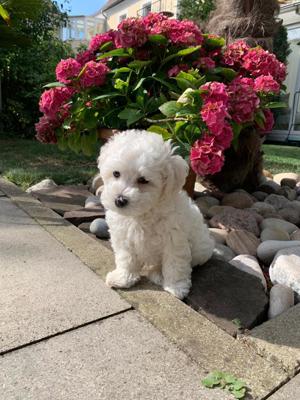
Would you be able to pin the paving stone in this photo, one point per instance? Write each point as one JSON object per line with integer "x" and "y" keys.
{"x": 242, "y": 242}
{"x": 278, "y": 340}
{"x": 281, "y": 299}
{"x": 219, "y": 235}
{"x": 237, "y": 200}
{"x": 274, "y": 234}
{"x": 224, "y": 293}
{"x": 42, "y": 185}
{"x": 290, "y": 391}
{"x": 231, "y": 219}
{"x": 2, "y": 194}
{"x": 286, "y": 175}
{"x": 222, "y": 252}
{"x": 277, "y": 201}
{"x": 63, "y": 198}
{"x": 123, "y": 357}
{"x": 285, "y": 268}
{"x": 275, "y": 223}
{"x": 267, "y": 250}
{"x": 81, "y": 215}
{"x": 249, "y": 264}
{"x": 260, "y": 196}
{"x": 44, "y": 289}
{"x": 288, "y": 182}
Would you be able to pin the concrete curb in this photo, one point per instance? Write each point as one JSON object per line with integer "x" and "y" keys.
{"x": 209, "y": 346}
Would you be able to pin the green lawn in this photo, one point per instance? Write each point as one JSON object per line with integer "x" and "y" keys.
{"x": 278, "y": 158}
{"x": 26, "y": 162}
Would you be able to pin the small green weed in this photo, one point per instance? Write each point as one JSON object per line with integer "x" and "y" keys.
{"x": 226, "y": 381}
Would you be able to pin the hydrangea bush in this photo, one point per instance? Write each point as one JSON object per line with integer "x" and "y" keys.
{"x": 166, "y": 76}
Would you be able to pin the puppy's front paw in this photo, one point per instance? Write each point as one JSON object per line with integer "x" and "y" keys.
{"x": 120, "y": 278}
{"x": 179, "y": 289}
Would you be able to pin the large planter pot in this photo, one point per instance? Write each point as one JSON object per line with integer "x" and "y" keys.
{"x": 106, "y": 133}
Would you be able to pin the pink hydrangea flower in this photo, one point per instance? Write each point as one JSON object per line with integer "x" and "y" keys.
{"x": 174, "y": 71}
{"x": 94, "y": 74}
{"x": 225, "y": 137}
{"x": 269, "y": 122}
{"x": 153, "y": 19}
{"x": 260, "y": 62}
{"x": 53, "y": 99}
{"x": 100, "y": 39}
{"x": 131, "y": 33}
{"x": 214, "y": 114}
{"x": 235, "y": 52}
{"x": 45, "y": 130}
{"x": 206, "y": 157}
{"x": 67, "y": 69}
{"x": 85, "y": 56}
{"x": 179, "y": 32}
{"x": 205, "y": 63}
{"x": 243, "y": 101}
{"x": 215, "y": 91}
{"x": 266, "y": 84}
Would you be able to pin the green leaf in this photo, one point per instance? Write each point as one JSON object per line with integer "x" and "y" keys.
{"x": 228, "y": 73}
{"x": 164, "y": 82}
{"x": 214, "y": 42}
{"x": 88, "y": 143}
{"x": 138, "y": 64}
{"x": 106, "y": 96}
{"x": 276, "y": 104}
{"x": 139, "y": 84}
{"x": 229, "y": 378}
{"x": 121, "y": 70}
{"x": 212, "y": 379}
{"x": 131, "y": 115}
{"x": 237, "y": 322}
{"x": 184, "y": 84}
{"x": 121, "y": 85}
{"x": 260, "y": 119}
{"x": 238, "y": 384}
{"x": 159, "y": 39}
{"x": 54, "y": 84}
{"x": 239, "y": 394}
{"x": 237, "y": 128}
{"x": 4, "y": 14}
{"x": 161, "y": 131}
{"x": 181, "y": 53}
{"x": 106, "y": 46}
{"x": 170, "y": 108}
{"x": 187, "y": 51}
{"x": 114, "y": 53}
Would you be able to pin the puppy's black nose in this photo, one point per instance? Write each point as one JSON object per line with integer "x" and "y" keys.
{"x": 121, "y": 201}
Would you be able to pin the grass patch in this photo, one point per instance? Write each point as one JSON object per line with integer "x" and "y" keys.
{"x": 278, "y": 158}
{"x": 26, "y": 162}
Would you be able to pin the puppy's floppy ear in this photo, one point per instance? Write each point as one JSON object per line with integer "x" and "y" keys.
{"x": 177, "y": 171}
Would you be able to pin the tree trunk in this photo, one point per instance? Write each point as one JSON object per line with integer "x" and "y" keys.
{"x": 252, "y": 20}
{"x": 255, "y": 22}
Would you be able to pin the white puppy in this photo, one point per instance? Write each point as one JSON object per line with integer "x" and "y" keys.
{"x": 152, "y": 222}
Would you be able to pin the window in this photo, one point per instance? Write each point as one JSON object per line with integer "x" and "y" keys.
{"x": 146, "y": 9}
{"x": 121, "y": 17}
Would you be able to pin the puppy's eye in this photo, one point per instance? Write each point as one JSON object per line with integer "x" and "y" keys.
{"x": 116, "y": 174}
{"x": 142, "y": 180}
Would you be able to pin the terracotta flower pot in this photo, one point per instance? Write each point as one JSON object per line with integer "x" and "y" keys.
{"x": 106, "y": 133}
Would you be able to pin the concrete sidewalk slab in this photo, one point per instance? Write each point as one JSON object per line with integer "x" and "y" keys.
{"x": 278, "y": 340}
{"x": 44, "y": 289}
{"x": 123, "y": 357}
{"x": 209, "y": 346}
{"x": 290, "y": 391}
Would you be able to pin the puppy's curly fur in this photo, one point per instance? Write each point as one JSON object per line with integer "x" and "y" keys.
{"x": 152, "y": 222}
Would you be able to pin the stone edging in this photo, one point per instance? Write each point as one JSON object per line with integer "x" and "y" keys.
{"x": 209, "y": 346}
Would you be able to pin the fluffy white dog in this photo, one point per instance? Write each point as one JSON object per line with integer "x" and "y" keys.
{"x": 152, "y": 222}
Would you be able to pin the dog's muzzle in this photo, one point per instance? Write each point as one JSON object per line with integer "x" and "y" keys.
{"x": 121, "y": 201}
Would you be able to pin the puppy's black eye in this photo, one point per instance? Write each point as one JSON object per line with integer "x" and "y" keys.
{"x": 142, "y": 180}
{"x": 116, "y": 174}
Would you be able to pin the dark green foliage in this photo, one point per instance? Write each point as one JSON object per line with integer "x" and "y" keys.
{"x": 281, "y": 46}
{"x": 28, "y": 60}
{"x": 196, "y": 10}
